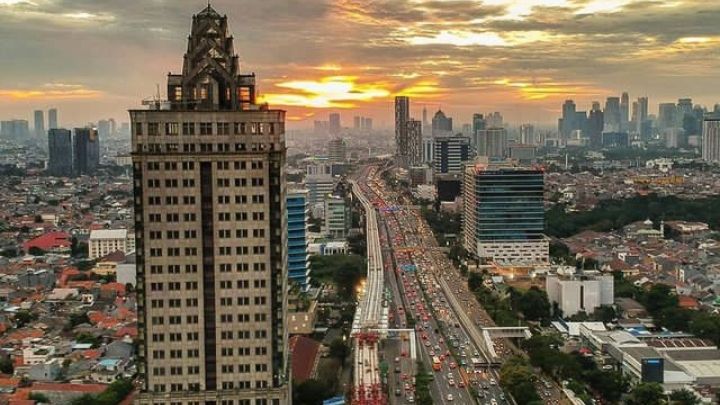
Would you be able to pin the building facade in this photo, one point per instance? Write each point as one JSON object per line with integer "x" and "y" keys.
{"x": 415, "y": 142}
{"x": 60, "y": 149}
{"x": 298, "y": 220}
{"x": 492, "y": 143}
{"x": 337, "y": 150}
{"x": 211, "y": 233}
{"x": 451, "y": 152}
{"x": 711, "y": 138}
{"x": 574, "y": 294}
{"x": 86, "y": 151}
{"x": 39, "y": 121}
{"x": 105, "y": 241}
{"x": 337, "y": 217}
{"x": 53, "y": 118}
{"x": 402, "y": 116}
{"x": 504, "y": 214}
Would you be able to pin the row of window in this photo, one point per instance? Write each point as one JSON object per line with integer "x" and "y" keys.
{"x": 167, "y": 166}
{"x": 242, "y": 182}
{"x": 207, "y": 128}
{"x": 258, "y": 401}
{"x": 224, "y": 335}
{"x": 174, "y": 286}
{"x": 179, "y": 387}
{"x": 195, "y": 353}
{"x": 204, "y": 147}
{"x": 193, "y": 268}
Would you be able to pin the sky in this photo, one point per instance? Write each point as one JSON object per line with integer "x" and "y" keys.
{"x": 95, "y": 59}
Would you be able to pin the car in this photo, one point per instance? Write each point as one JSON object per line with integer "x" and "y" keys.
{"x": 410, "y": 398}
{"x": 432, "y": 353}
{"x": 427, "y": 343}
{"x": 492, "y": 381}
{"x": 450, "y": 397}
{"x": 397, "y": 369}
{"x": 451, "y": 382}
{"x": 453, "y": 365}
{"x": 502, "y": 396}
{"x": 461, "y": 384}
{"x": 398, "y": 392}
{"x": 450, "y": 376}
{"x": 493, "y": 402}
{"x": 407, "y": 387}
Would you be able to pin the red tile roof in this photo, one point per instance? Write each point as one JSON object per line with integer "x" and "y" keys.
{"x": 62, "y": 387}
{"x": 303, "y": 354}
{"x": 49, "y": 241}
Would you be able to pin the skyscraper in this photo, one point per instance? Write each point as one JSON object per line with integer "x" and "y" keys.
{"x": 596, "y": 123}
{"x": 612, "y": 115}
{"x": 39, "y": 123}
{"x": 52, "y": 118}
{"x": 711, "y": 138}
{"x": 86, "y": 151}
{"x": 357, "y": 122}
{"x": 211, "y": 226}
{"x": 527, "y": 135}
{"x": 478, "y": 123}
{"x": 504, "y": 213}
{"x": 15, "y": 129}
{"x": 441, "y": 125}
{"x": 451, "y": 152}
{"x": 60, "y": 150}
{"x": 566, "y": 124}
{"x": 642, "y": 116}
{"x": 298, "y": 220}
{"x": 667, "y": 116}
{"x": 492, "y": 143}
{"x": 103, "y": 128}
{"x": 415, "y": 142}
{"x": 337, "y": 150}
{"x": 335, "y": 125}
{"x": 624, "y": 112}
{"x": 402, "y": 115}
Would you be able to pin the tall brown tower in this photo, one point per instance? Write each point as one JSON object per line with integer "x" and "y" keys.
{"x": 211, "y": 233}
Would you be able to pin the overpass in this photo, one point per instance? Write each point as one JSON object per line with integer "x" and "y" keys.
{"x": 500, "y": 332}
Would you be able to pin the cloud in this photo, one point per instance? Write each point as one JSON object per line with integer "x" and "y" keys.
{"x": 50, "y": 91}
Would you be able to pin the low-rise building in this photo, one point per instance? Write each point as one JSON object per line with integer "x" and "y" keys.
{"x": 105, "y": 241}
{"x": 580, "y": 293}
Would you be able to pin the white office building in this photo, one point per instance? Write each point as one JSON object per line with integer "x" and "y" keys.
{"x": 105, "y": 241}
{"x": 580, "y": 293}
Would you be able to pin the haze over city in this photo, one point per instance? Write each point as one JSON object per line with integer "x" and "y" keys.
{"x": 99, "y": 58}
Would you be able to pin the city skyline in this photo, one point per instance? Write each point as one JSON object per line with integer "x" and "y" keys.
{"x": 463, "y": 56}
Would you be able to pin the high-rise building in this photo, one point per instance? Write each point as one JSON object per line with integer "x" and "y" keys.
{"x": 441, "y": 125}
{"x": 86, "y": 151}
{"x": 402, "y": 115}
{"x": 367, "y": 124}
{"x": 451, "y": 152}
{"x": 527, "y": 135}
{"x": 478, "y": 124}
{"x": 415, "y": 142}
{"x": 210, "y": 207}
{"x": 596, "y": 123}
{"x": 53, "y": 118}
{"x": 337, "y": 217}
{"x": 39, "y": 123}
{"x": 298, "y": 221}
{"x": 566, "y": 124}
{"x": 113, "y": 127}
{"x": 60, "y": 149}
{"x": 667, "y": 116}
{"x": 337, "y": 150}
{"x": 319, "y": 181}
{"x": 357, "y": 122}
{"x": 612, "y": 115}
{"x": 492, "y": 143}
{"x": 504, "y": 214}
{"x": 624, "y": 112}
{"x": 15, "y": 129}
{"x": 334, "y": 125}
{"x": 103, "y": 128}
{"x": 495, "y": 120}
{"x": 711, "y": 138}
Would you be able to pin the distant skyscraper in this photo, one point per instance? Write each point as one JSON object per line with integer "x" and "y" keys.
{"x": 415, "y": 142}
{"x": 596, "y": 123}
{"x": 424, "y": 117}
{"x": 86, "y": 151}
{"x": 684, "y": 107}
{"x": 667, "y": 116}
{"x": 402, "y": 116}
{"x": 337, "y": 150}
{"x": 642, "y": 118}
{"x": 367, "y": 124}
{"x": 527, "y": 135}
{"x": 495, "y": 120}
{"x": 103, "y": 128}
{"x": 113, "y": 127}
{"x": 624, "y": 112}
{"x": 60, "y": 150}
{"x": 492, "y": 143}
{"x": 335, "y": 125}
{"x": 52, "y": 118}
{"x": 39, "y": 123}
{"x": 566, "y": 124}
{"x": 298, "y": 220}
{"x": 357, "y": 122}
{"x": 612, "y": 115}
{"x": 451, "y": 152}
{"x": 441, "y": 125}
{"x": 18, "y": 130}
{"x": 711, "y": 138}
{"x": 211, "y": 225}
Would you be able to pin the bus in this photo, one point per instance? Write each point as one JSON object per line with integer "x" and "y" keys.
{"x": 437, "y": 365}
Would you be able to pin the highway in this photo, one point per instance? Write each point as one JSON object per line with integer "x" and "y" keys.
{"x": 443, "y": 330}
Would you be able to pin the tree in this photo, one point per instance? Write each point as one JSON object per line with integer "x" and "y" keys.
{"x": 339, "y": 350}
{"x": 605, "y": 313}
{"x": 706, "y": 326}
{"x": 6, "y": 365}
{"x": 310, "y": 392}
{"x": 517, "y": 377}
{"x": 24, "y": 317}
{"x": 475, "y": 281}
{"x": 646, "y": 393}
{"x": 534, "y": 305}
{"x": 39, "y": 398}
{"x": 36, "y": 251}
{"x": 683, "y": 397}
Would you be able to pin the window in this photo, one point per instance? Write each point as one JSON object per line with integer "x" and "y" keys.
{"x": 223, "y": 128}
{"x": 239, "y": 128}
{"x": 153, "y": 128}
{"x": 172, "y": 128}
{"x": 138, "y": 128}
{"x": 206, "y": 128}
{"x": 188, "y": 128}
{"x": 188, "y": 165}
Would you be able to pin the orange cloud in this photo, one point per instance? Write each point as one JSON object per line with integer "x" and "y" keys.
{"x": 52, "y": 91}
{"x": 327, "y": 92}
